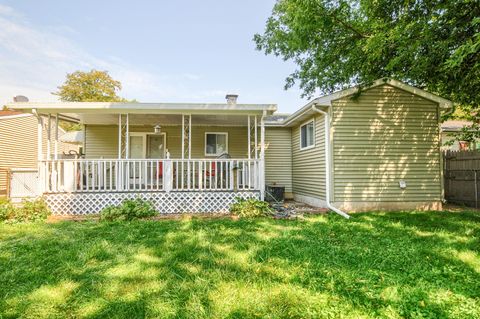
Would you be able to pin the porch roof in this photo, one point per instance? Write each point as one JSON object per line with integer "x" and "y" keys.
{"x": 80, "y": 110}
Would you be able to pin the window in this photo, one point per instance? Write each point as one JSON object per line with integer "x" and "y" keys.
{"x": 307, "y": 135}
{"x": 216, "y": 144}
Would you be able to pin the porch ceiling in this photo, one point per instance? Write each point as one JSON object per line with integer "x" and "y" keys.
{"x": 163, "y": 119}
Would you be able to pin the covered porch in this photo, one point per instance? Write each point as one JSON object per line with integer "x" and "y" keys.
{"x": 184, "y": 158}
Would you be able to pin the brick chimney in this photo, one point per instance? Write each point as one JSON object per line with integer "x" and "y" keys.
{"x": 231, "y": 99}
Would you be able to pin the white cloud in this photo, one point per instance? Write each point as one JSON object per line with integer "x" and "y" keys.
{"x": 34, "y": 61}
{"x": 8, "y": 11}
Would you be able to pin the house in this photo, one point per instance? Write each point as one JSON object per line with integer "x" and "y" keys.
{"x": 451, "y": 127}
{"x": 344, "y": 151}
{"x": 18, "y": 146}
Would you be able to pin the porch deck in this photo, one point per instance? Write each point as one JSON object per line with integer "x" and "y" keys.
{"x": 124, "y": 175}
{"x": 85, "y": 186}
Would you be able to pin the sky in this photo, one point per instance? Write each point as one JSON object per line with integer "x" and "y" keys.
{"x": 161, "y": 51}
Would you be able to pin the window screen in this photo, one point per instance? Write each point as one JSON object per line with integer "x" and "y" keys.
{"x": 307, "y": 135}
{"x": 216, "y": 143}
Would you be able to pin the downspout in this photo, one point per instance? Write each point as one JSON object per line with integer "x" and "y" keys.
{"x": 39, "y": 135}
{"x": 40, "y": 163}
{"x": 327, "y": 163}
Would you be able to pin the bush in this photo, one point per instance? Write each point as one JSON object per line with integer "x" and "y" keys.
{"x": 250, "y": 208}
{"x": 129, "y": 209}
{"x": 6, "y": 209}
{"x": 29, "y": 211}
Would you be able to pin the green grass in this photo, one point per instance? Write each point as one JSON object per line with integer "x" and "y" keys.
{"x": 414, "y": 265}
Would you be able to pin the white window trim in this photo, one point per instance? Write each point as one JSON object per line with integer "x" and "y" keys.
{"x": 226, "y": 142}
{"x": 144, "y": 142}
{"x": 300, "y": 135}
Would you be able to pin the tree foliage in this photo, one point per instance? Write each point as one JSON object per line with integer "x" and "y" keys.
{"x": 470, "y": 134}
{"x": 432, "y": 44}
{"x": 92, "y": 86}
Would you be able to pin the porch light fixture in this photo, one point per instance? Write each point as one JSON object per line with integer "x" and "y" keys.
{"x": 157, "y": 129}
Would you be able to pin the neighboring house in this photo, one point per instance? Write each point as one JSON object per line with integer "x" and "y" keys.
{"x": 18, "y": 144}
{"x": 379, "y": 150}
{"x": 451, "y": 127}
{"x": 74, "y": 138}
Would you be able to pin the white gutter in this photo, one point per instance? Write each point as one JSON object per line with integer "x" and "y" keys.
{"x": 327, "y": 163}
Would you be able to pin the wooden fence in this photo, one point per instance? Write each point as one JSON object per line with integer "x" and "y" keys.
{"x": 462, "y": 177}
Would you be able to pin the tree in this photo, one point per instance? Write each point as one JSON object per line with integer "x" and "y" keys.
{"x": 432, "y": 44}
{"x": 93, "y": 86}
{"x": 468, "y": 134}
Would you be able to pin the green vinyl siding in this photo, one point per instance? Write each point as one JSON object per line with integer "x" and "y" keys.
{"x": 308, "y": 165}
{"x": 237, "y": 140}
{"x": 384, "y": 136}
{"x": 278, "y": 157}
{"x": 102, "y": 140}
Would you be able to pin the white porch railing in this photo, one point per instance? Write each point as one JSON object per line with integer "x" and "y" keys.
{"x": 130, "y": 175}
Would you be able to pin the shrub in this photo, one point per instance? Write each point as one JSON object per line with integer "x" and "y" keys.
{"x": 129, "y": 209}
{"x": 29, "y": 211}
{"x": 6, "y": 209}
{"x": 250, "y": 208}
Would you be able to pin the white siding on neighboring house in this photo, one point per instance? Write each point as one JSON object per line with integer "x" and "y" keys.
{"x": 18, "y": 144}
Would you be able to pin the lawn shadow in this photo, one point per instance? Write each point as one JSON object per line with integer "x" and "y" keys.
{"x": 374, "y": 265}
{"x": 372, "y": 253}
{"x": 138, "y": 261}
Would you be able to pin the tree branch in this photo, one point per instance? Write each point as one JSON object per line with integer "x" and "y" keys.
{"x": 347, "y": 26}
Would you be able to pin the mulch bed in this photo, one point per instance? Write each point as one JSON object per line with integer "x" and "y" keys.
{"x": 291, "y": 210}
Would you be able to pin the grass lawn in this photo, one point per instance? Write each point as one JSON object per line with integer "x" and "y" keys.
{"x": 412, "y": 264}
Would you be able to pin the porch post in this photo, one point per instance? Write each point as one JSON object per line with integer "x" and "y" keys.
{"x": 183, "y": 136}
{"x": 186, "y": 147}
{"x": 186, "y": 136}
{"x": 256, "y": 139}
{"x": 119, "y": 136}
{"x": 249, "y": 138}
{"x": 262, "y": 157}
{"x": 55, "y": 149}
{"x": 189, "y": 136}
{"x": 41, "y": 164}
{"x": 127, "y": 137}
{"x": 68, "y": 176}
{"x": 53, "y": 176}
{"x": 119, "y": 166}
{"x": 49, "y": 136}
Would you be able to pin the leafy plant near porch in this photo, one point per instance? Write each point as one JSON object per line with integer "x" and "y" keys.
{"x": 129, "y": 209}
{"x": 29, "y": 211}
{"x": 5, "y": 209}
{"x": 251, "y": 207}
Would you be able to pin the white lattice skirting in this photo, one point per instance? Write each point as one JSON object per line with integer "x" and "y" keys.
{"x": 165, "y": 203}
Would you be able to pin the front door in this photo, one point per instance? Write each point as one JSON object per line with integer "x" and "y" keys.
{"x": 143, "y": 146}
{"x": 136, "y": 147}
{"x": 146, "y": 146}
{"x": 155, "y": 146}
